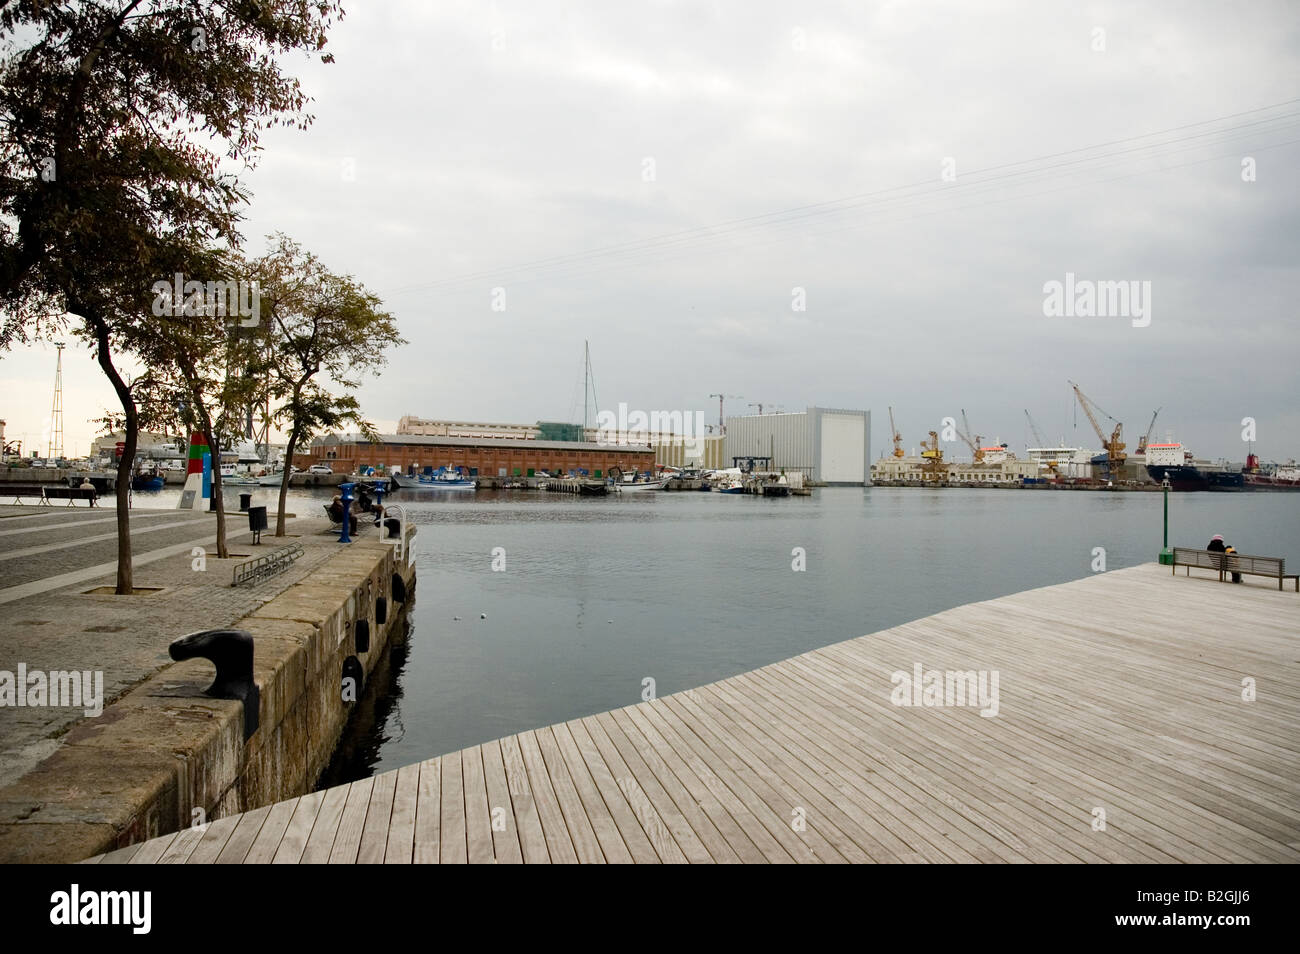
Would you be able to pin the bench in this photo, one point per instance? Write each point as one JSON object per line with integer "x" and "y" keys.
{"x": 1224, "y": 563}
{"x": 338, "y": 524}
{"x": 71, "y": 494}
{"x": 18, "y": 491}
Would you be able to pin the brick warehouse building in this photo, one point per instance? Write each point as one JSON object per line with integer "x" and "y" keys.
{"x": 483, "y": 457}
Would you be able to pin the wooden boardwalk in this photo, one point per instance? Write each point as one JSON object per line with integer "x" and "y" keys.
{"x": 1118, "y": 694}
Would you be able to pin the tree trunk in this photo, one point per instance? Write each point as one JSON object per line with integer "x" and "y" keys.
{"x": 125, "y": 576}
{"x": 284, "y": 481}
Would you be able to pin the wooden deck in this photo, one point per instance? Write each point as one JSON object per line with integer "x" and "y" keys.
{"x": 1121, "y": 692}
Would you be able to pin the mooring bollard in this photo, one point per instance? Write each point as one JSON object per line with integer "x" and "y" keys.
{"x": 346, "y": 500}
{"x": 231, "y": 651}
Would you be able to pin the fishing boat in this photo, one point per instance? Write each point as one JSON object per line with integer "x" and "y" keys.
{"x": 729, "y": 482}
{"x": 627, "y": 486}
{"x": 444, "y": 479}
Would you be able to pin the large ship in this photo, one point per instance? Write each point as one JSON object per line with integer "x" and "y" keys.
{"x": 1173, "y": 462}
{"x": 1271, "y": 476}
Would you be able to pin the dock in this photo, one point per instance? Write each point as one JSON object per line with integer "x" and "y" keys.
{"x": 1140, "y": 717}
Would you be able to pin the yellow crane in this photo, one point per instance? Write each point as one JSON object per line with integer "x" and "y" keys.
{"x": 932, "y": 454}
{"x": 897, "y": 437}
{"x": 1113, "y": 446}
{"x": 977, "y": 452}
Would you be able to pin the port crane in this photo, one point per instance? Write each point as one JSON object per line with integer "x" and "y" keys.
{"x": 977, "y": 452}
{"x": 895, "y": 436}
{"x": 932, "y": 455}
{"x": 1113, "y": 446}
{"x": 1038, "y": 437}
{"x": 1146, "y": 438}
{"x": 722, "y": 425}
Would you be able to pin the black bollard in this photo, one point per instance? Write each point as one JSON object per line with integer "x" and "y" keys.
{"x": 231, "y": 651}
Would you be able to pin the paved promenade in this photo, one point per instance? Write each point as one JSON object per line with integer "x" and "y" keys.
{"x": 1138, "y": 717}
{"x": 51, "y": 556}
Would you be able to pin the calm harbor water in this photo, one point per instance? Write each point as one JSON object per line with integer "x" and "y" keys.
{"x": 598, "y": 594}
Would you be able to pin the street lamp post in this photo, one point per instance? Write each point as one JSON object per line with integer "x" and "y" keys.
{"x": 1166, "y": 554}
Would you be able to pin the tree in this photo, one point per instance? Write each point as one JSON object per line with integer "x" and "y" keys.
{"x": 115, "y": 120}
{"x": 317, "y": 322}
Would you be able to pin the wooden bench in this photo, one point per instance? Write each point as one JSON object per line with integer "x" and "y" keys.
{"x": 71, "y": 494}
{"x": 18, "y": 491}
{"x": 1224, "y": 563}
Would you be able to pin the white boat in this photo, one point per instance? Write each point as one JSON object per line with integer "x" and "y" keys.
{"x": 635, "y": 486}
{"x": 271, "y": 480}
{"x": 444, "y": 479}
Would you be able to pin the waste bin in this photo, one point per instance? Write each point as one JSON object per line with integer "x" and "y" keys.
{"x": 244, "y": 500}
{"x": 257, "y": 522}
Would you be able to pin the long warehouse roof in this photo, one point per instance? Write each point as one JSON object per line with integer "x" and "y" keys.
{"x": 417, "y": 439}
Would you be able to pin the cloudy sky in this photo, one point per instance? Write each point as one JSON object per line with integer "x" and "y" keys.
{"x": 673, "y": 181}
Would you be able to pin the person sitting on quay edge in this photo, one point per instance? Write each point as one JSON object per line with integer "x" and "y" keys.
{"x": 1217, "y": 545}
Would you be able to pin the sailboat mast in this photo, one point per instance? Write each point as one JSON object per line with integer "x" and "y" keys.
{"x": 586, "y": 373}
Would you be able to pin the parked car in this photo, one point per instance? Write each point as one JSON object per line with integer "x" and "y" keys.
{"x": 320, "y": 469}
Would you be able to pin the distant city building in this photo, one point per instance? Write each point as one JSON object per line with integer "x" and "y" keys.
{"x": 422, "y": 427}
{"x": 480, "y": 457}
{"x": 828, "y": 445}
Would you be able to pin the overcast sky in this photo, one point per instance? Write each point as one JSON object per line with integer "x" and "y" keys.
{"x": 595, "y": 161}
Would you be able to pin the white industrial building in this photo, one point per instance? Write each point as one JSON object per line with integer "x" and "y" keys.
{"x": 828, "y": 445}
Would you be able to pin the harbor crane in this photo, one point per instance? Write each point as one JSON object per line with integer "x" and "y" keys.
{"x": 1034, "y": 428}
{"x": 1038, "y": 437}
{"x": 722, "y": 424}
{"x": 896, "y": 437}
{"x": 932, "y": 455}
{"x": 977, "y": 452}
{"x": 1146, "y": 438}
{"x": 1113, "y": 446}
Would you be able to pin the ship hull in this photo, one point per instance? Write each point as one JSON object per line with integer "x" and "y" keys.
{"x": 1187, "y": 478}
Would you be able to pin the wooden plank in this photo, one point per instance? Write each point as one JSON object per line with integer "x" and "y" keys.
{"x": 632, "y": 825}
{"x": 374, "y": 836}
{"x": 242, "y": 838}
{"x": 505, "y": 841}
{"x": 478, "y": 813}
{"x": 559, "y": 844}
{"x": 455, "y": 845}
{"x": 352, "y": 823}
{"x": 121, "y": 856}
{"x": 214, "y": 839}
{"x": 268, "y": 839}
{"x": 182, "y": 846}
{"x": 400, "y": 848}
{"x": 428, "y": 814}
{"x": 585, "y": 843}
{"x": 320, "y": 843}
{"x": 602, "y": 820}
{"x": 532, "y": 840}
{"x": 152, "y": 851}
{"x": 294, "y": 841}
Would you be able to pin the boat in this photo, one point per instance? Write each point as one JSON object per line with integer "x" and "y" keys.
{"x": 444, "y": 479}
{"x": 1271, "y": 476}
{"x": 730, "y": 484}
{"x": 273, "y": 479}
{"x": 146, "y": 476}
{"x": 1173, "y": 462}
{"x": 633, "y": 486}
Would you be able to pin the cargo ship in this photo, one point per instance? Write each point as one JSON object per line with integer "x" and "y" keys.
{"x": 1175, "y": 463}
{"x": 1271, "y": 476}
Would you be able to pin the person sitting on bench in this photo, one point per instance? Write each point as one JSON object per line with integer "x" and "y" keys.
{"x": 1217, "y": 545}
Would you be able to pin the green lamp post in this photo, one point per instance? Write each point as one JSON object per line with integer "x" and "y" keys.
{"x": 1166, "y": 554}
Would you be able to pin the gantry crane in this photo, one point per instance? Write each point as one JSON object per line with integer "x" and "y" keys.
{"x": 1113, "y": 446}
{"x": 977, "y": 452}
{"x": 895, "y": 436}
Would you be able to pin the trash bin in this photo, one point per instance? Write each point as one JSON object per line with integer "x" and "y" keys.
{"x": 244, "y": 500}
{"x": 257, "y": 522}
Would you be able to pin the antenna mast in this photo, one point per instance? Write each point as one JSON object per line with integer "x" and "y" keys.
{"x": 56, "y": 409}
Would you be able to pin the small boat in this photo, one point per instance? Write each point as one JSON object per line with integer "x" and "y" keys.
{"x": 633, "y": 486}
{"x": 270, "y": 480}
{"x": 147, "y": 482}
{"x": 444, "y": 479}
{"x": 731, "y": 484}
